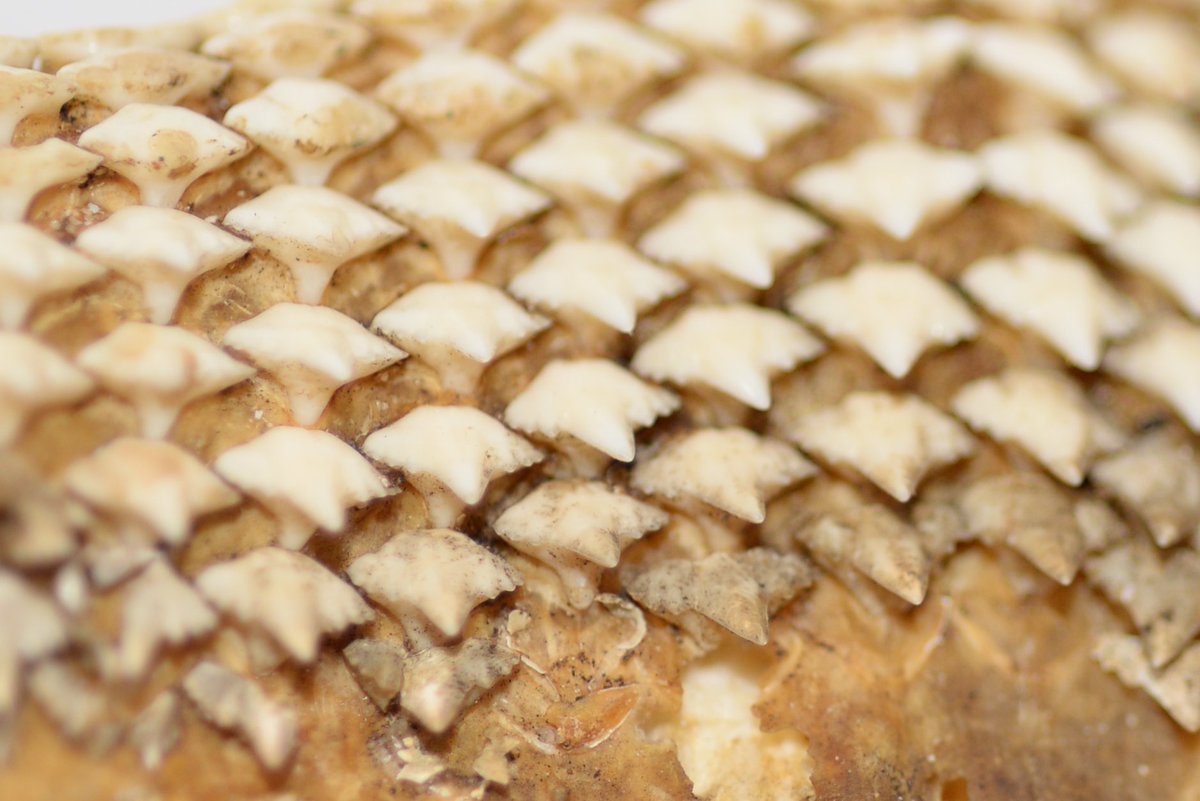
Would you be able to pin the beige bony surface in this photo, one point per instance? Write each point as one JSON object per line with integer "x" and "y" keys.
{"x": 673, "y": 399}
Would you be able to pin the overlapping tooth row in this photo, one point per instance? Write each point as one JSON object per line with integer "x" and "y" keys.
{"x": 569, "y": 329}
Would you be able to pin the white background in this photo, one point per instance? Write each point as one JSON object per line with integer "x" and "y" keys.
{"x": 34, "y": 17}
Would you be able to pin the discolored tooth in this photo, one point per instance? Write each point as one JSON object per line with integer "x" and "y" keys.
{"x": 458, "y": 328}
{"x": 235, "y": 703}
{"x": 34, "y": 266}
{"x": 159, "y": 609}
{"x": 305, "y": 478}
{"x": 291, "y": 43}
{"x": 312, "y": 230}
{"x": 1151, "y": 360}
{"x": 378, "y": 667}
{"x": 593, "y": 400}
{"x": 34, "y": 377}
{"x": 1176, "y": 687}
{"x": 1043, "y": 412}
{"x": 602, "y": 278}
{"x": 578, "y": 528}
{"x": 731, "y": 116}
{"x": 893, "y": 440}
{"x": 896, "y": 185}
{"x": 311, "y": 125}
{"x": 117, "y": 78}
{"x": 891, "y": 63}
{"x": 160, "y": 370}
{"x": 311, "y": 351}
{"x": 595, "y": 168}
{"x": 1159, "y": 242}
{"x": 161, "y": 250}
{"x": 1158, "y": 477}
{"x": 292, "y": 599}
{"x": 460, "y": 98}
{"x": 731, "y": 469}
{"x": 1154, "y": 51}
{"x": 435, "y": 575}
{"x": 149, "y": 483}
{"x": 26, "y": 171}
{"x": 1155, "y": 143}
{"x": 162, "y": 149}
{"x": 865, "y": 307}
{"x": 450, "y": 448}
{"x": 594, "y": 61}
{"x": 25, "y": 92}
{"x": 1059, "y": 295}
{"x": 733, "y": 233}
{"x": 746, "y": 31}
{"x": 443, "y": 682}
{"x": 458, "y": 206}
{"x": 738, "y": 591}
{"x": 735, "y": 349}
{"x": 34, "y": 629}
{"x": 1061, "y": 175}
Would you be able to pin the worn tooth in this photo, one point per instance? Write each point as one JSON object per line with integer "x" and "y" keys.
{"x": 460, "y": 98}
{"x": 237, "y": 704}
{"x": 1154, "y": 51}
{"x": 1151, "y": 360}
{"x": 594, "y": 61}
{"x": 893, "y": 440}
{"x": 735, "y": 348}
{"x": 1042, "y": 61}
{"x": 34, "y": 266}
{"x": 293, "y": 43}
{"x": 1043, "y": 412}
{"x": 738, "y": 591}
{"x": 109, "y": 564}
{"x": 305, "y": 478}
{"x": 1176, "y": 687}
{"x": 892, "y": 310}
{"x": 731, "y": 469}
{"x": 159, "y": 609}
{"x": 56, "y": 50}
{"x": 37, "y": 531}
{"x": 1061, "y": 175}
{"x": 156, "y": 731}
{"x": 735, "y": 233}
{"x": 1158, "y": 477}
{"x": 435, "y": 575}
{"x": 594, "y": 400}
{"x": 596, "y": 167}
{"x": 458, "y": 448}
{"x": 444, "y": 24}
{"x": 313, "y": 230}
{"x": 311, "y": 351}
{"x": 290, "y": 597}
{"x": 458, "y": 328}
{"x": 1157, "y": 589}
{"x": 34, "y": 628}
{"x": 1157, "y": 143}
{"x": 19, "y": 52}
{"x": 72, "y": 703}
{"x": 1059, "y": 295}
{"x": 458, "y": 206}
{"x": 445, "y": 681}
{"x": 26, "y": 171}
{"x": 602, "y": 278}
{"x": 25, "y": 92}
{"x": 34, "y": 377}
{"x": 890, "y": 63}
{"x": 378, "y": 667}
{"x": 160, "y": 370}
{"x": 149, "y": 482}
{"x": 162, "y": 149}
{"x": 731, "y": 114}
{"x": 745, "y": 31}
{"x": 144, "y": 75}
{"x": 161, "y": 250}
{"x": 897, "y": 185}
{"x": 1049, "y": 11}
{"x": 569, "y": 524}
{"x": 311, "y": 125}
{"x": 1160, "y": 242}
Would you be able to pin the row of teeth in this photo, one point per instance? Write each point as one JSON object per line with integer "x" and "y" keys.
{"x": 724, "y": 245}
